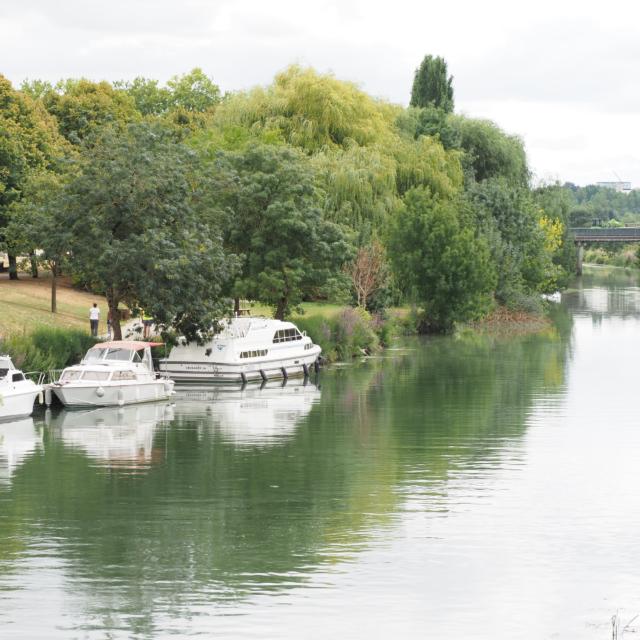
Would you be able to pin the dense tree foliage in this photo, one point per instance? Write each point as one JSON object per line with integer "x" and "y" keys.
{"x": 82, "y": 106}
{"x": 298, "y": 179}
{"x": 310, "y": 111}
{"x": 275, "y": 222}
{"x": 137, "y": 232}
{"x": 431, "y": 85}
{"x": 29, "y": 142}
{"x": 441, "y": 261}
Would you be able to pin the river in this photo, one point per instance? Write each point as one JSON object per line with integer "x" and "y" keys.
{"x": 467, "y": 487}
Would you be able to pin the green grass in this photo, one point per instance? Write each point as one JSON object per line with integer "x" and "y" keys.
{"x": 25, "y": 304}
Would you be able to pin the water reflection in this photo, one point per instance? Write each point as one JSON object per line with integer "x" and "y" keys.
{"x": 114, "y": 437}
{"x": 223, "y": 519}
{"x": 19, "y": 439}
{"x": 252, "y": 415}
{"x": 605, "y": 291}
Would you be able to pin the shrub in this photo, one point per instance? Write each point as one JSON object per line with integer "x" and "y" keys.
{"x": 350, "y": 333}
{"x": 47, "y": 348}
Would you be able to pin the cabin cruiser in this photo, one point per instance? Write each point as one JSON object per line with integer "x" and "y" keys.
{"x": 17, "y": 393}
{"x": 246, "y": 349}
{"x": 113, "y": 373}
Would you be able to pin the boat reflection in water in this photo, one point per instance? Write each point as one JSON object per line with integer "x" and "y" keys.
{"x": 250, "y": 415}
{"x": 116, "y": 437}
{"x": 19, "y": 440}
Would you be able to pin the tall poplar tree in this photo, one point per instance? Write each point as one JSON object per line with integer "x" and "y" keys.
{"x": 431, "y": 86}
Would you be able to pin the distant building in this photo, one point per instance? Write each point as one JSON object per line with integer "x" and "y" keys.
{"x": 621, "y": 187}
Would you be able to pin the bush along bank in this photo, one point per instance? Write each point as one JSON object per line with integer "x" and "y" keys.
{"x": 350, "y": 333}
{"x": 46, "y": 348}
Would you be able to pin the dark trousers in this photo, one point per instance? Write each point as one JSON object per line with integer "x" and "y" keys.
{"x": 94, "y": 327}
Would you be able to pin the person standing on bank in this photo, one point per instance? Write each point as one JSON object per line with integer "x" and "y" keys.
{"x": 147, "y": 321}
{"x": 94, "y": 318}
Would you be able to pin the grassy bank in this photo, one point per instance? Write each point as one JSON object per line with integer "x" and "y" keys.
{"x": 25, "y": 304}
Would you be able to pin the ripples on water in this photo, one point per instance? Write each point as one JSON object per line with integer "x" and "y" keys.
{"x": 466, "y": 488}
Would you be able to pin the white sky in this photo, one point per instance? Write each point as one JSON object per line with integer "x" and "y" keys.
{"x": 561, "y": 74}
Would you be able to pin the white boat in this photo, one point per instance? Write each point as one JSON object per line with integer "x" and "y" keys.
{"x": 17, "y": 393}
{"x": 113, "y": 374}
{"x": 246, "y": 349}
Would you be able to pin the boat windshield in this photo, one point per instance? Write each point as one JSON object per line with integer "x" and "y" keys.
{"x": 119, "y": 354}
{"x": 95, "y": 354}
{"x": 70, "y": 375}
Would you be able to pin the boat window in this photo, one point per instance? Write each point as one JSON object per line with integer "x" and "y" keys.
{"x": 123, "y": 375}
{"x": 254, "y": 354}
{"x": 3, "y": 372}
{"x": 17, "y": 377}
{"x": 136, "y": 357}
{"x": 67, "y": 376}
{"x": 287, "y": 335}
{"x": 119, "y": 354}
{"x": 95, "y": 354}
{"x": 96, "y": 375}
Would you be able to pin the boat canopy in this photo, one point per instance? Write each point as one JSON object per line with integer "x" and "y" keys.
{"x": 133, "y": 345}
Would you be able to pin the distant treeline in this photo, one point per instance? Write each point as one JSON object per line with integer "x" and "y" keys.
{"x": 597, "y": 206}
{"x": 178, "y": 199}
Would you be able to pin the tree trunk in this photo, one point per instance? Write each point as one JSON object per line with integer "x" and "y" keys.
{"x": 236, "y": 306}
{"x": 34, "y": 265}
{"x": 54, "y": 285}
{"x": 13, "y": 267}
{"x": 113, "y": 302}
{"x": 281, "y": 308}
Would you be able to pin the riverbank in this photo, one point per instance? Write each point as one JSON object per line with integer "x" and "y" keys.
{"x": 38, "y": 339}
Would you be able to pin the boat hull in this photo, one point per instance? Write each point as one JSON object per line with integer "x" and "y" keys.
{"x": 107, "y": 395}
{"x": 18, "y": 404}
{"x": 219, "y": 372}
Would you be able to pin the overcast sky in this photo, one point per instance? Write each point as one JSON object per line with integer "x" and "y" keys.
{"x": 561, "y": 74}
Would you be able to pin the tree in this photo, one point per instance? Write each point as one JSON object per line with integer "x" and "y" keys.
{"x": 150, "y": 98}
{"x": 508, "y": 217}
{"x": 82, "y": 106}
{"x": 275, "y": 221}
{"x": 311, "y": 111}
{"x": 440, "y": 261}
{"x": 368, "y": 271}
{"x": 491, "y": 152}
{"x": 193, "y": 91}
{"x": 431, "y": 86}
{"x": 34, "y": 223}
{"x": 139, "y": 234}
{"x": 29, "y": 141}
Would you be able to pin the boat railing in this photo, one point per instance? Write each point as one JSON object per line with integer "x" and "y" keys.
{"x": 44, "y": 377}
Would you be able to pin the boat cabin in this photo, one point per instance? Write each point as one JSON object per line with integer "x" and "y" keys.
{"x": 113, "y": 361}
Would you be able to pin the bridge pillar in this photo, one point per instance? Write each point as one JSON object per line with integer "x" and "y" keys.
{"x": 580, "y": 258}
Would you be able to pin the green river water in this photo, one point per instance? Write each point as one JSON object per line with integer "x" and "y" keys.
{"x": 468, "y": 487}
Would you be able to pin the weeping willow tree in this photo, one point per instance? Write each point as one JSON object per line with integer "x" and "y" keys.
{"x": 425, "y": 163}
{"x": 359, "y": 183}
{"x": 311, "y": 111}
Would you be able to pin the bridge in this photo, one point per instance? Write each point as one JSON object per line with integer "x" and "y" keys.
{"x": 615, "y": 234}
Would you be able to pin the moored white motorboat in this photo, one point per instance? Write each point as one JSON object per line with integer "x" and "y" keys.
{"x": 17, "y": 392}
{"x": 246, "y": 349}
{"x": 113, "y": 373}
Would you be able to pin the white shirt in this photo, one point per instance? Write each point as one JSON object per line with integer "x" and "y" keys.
{"x": 94, "y": 313}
